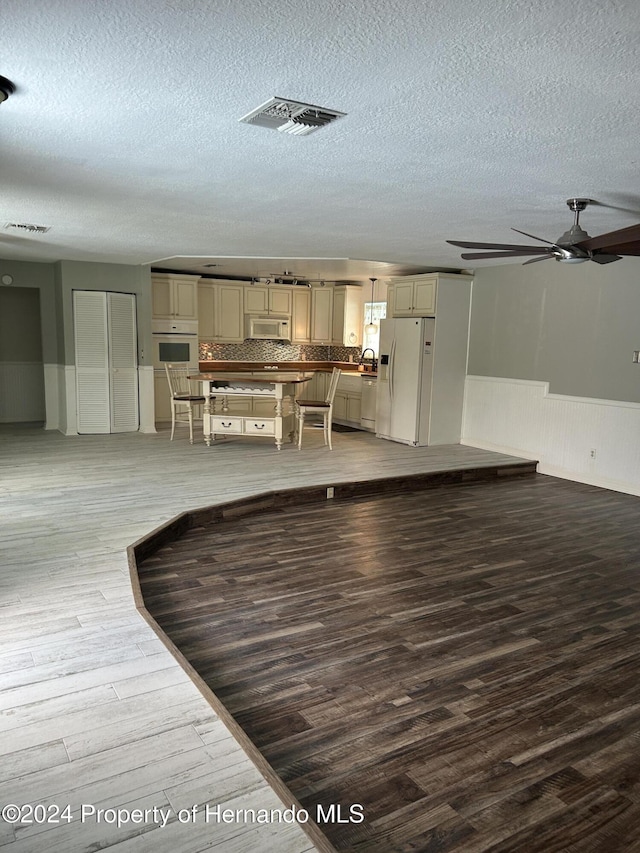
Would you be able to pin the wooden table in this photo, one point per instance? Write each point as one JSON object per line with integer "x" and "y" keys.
{"x": 219, "y": 389}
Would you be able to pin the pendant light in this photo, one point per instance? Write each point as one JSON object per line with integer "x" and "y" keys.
{"x": 371, "y": 328}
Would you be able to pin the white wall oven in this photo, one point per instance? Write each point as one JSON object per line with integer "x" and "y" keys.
{"x": 175, "y": 341}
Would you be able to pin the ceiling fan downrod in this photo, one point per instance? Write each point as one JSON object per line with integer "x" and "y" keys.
{"x": 575, "y": 234}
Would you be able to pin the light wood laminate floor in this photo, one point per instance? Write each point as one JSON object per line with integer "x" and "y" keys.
{"x": 93, "y": 709}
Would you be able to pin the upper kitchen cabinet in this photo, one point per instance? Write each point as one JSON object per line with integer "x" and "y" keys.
{"x": 174, "y": 297}
{"x": 268, "y": 300}
{"x": 206, "y": 311}
{"x": 221, "y": 312}
{"x": 347, "y": 316}
{"x": 336, "y": 315}
{"x": 229, "y": 313}
{"x": 300, "y": 315}
{"x": 322, "y": 315}
{"x": 417, "y": 296}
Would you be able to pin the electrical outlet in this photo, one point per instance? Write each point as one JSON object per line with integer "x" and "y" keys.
{"x": 636, "y": 356}
{"x": 592, "y": 453}
{"x": 330, "y": 492}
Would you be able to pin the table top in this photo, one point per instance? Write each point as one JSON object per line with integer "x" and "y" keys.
{"x": 266, "y": 377}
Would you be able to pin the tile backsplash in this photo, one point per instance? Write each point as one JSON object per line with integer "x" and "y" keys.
{"x": 275, "y": 351}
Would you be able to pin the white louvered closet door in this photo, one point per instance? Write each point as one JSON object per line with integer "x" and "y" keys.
{"x": 123, "y": 361}
{"x": 106, "y": 362}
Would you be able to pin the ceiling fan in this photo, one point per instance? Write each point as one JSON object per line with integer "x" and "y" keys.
{"x": 573, "y": 247}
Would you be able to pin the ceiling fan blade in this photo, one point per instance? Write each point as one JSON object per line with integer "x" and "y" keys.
{"x": 533, "y": 236}
{"x": 544, "y": 258}
{"x": 505, "y": 246}
{"x": 472, "y": 256}
{"x": 602, "y": 258}
{"x": 622, "y": 249}
{"x": 613, "y": 238}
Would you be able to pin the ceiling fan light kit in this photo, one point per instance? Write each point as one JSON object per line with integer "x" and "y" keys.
{"x": 575, "y": 246}
{"x": 6, "y": 89}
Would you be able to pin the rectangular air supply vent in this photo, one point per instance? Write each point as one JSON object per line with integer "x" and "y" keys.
{"x": 291, "y": 116}
{"x": 24, "y": 226}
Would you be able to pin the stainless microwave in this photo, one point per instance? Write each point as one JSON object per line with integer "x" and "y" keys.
{"x": 267, "y": 328}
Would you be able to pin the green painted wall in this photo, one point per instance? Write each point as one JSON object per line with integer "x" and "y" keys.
{"x": 41, "y": 277}
{"x": 574, "y": 326}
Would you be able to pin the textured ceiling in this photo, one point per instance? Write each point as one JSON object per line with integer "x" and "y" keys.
{"x": 463, "y": 119}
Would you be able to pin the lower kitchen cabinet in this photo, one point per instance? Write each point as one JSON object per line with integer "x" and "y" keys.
{"x": 346, "y": 408}
{"x": 347, "y": 402}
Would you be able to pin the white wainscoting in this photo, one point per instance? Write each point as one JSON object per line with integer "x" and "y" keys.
{"x": 21, "y": 392}
{"x": 522, "y": 418}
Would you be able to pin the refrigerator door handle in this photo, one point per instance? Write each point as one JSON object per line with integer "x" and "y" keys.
{"x": 392, "y": 367}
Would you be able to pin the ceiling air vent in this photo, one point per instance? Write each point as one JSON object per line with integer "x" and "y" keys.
{"x": 291, "y": 116}
{"x": 24, "y": 226}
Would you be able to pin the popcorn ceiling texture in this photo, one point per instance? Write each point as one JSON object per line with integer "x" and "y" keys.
{"x": 275, "y": 351}
{"x": 463, "y": 120}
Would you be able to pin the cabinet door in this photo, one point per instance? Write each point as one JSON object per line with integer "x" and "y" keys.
{"x": 337, "y": 325}
{"x": 161, "y": 302}
{"x": 256, "y": 300}
{"x": 229, "y": 325}
{"x": 321, "y": 315}
{"x": 123, "y": 361}
{"x": 161, "y": 397}
{"x": 301, "y": 305}
{"x": 185, "y": 300}
{"x": 354, "y": 402}
{"x": 206, "y": 312}
{"x": 340, "y": 406}
{"x": 280, "y": 300}
{"x": 402, "y": 305}
{"x": 424, "y": 298}
{"x": 352, "y": 323}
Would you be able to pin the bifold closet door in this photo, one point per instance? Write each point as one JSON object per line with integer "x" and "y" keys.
{"x": 106, "y": 362}
{"x": 123, "y": 362}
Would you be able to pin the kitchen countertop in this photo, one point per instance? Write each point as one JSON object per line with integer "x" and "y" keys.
{"x": 285, "y": 366}
{"x": 257, "y": 377}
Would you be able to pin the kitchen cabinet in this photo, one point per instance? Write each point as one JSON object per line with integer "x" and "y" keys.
{"x": 318, "y": 387}
{"x": 300, "y": 315}
{"x": 347, "y": 316}
{"x": 267, "y": 300}
{"x": 229, "y": 313}
{"x": 280, "y": 300}
{"x": 348, "y": 400}
{"x": 206, "y": 311}
{"x": 174, "y": 297}
{"x": 336, "y": 315}
{"x": 322, "y": 315}
{"x": 414, "y": 297}
{"x": 221, "y": 312}
{"x": 417, "y": 296}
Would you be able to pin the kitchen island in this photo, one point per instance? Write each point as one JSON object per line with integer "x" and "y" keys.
{"x": 259, "y": 402}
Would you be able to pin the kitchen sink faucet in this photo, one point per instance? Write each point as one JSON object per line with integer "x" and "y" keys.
{"x": 374, "y": 360}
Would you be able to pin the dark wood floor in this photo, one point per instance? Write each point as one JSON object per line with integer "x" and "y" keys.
{"x": 463, "y": 662}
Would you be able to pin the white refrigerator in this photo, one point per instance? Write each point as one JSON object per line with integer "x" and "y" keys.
{"x": 421, "y": 377}
{"x": 405, "y": 371}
